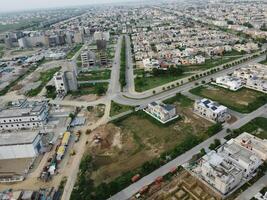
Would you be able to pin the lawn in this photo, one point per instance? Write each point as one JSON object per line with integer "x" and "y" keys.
{"x": 122, "y": 77}
{"x": 90, "y": 88}
{"x": 243, "y": 101}
{"x": 257, "y": 127}
{"x": 118, "y": 108}
{"x": 45, "y": 77}
{"x": 74, "y": 50}
{"x": 1, "y": 51}
{"x": 94, "y": 75}
{"x": 182, "y": 100}
{"x": 264, "y": 62}
{"x": 146, "y": 83}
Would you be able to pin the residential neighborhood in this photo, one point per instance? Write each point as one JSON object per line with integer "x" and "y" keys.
{"x": 127, "y": 100}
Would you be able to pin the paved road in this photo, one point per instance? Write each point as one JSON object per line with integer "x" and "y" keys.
{"x": 135, "y": 187}
{"x": 254, "y": 189}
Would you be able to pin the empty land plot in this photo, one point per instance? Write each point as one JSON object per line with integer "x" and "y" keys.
{"x": 257, "y": 127}
{"x": 94, "y": 75}
{"x": 146, "y": 83}
{"x": 244, "y": 100}
{"x": 142, "y": 139}
{"x": 119, "y": 108}
{"x": 90, "y": 88}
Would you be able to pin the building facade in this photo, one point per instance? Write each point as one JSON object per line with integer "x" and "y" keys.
{"x": 20, "y": 145}
{"x": 211, "y": 110}
{"x": 162, "y": 112}
{"x": 24, "y": 114}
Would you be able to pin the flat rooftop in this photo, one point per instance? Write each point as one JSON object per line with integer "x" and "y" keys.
{"x": 19, "y": 137}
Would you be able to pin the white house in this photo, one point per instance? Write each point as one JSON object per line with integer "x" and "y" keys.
{"x": 150, "y": 64}
{"x": 229, "y": 82}
{"x": 241, "y": 156}
{"x": 220, "y": 172}
{"x": 211, "y": 110}
{"x": 162, "y": 112}
{"x": 253, "y": 144}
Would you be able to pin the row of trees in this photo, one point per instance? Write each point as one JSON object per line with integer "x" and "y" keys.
{"x": 123, "y": 63}
{"x": 171, "y": 71}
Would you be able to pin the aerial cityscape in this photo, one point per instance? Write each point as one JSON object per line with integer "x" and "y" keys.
{"x": 127, "y": 100}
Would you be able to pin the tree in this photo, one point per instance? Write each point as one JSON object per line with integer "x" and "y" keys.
{"x": 71, "y": 115}
{"x": 100, "y": 90}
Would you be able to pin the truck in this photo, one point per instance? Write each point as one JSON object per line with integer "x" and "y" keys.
{"x": 135, "y": 178}
{"x": 143, "y": 190}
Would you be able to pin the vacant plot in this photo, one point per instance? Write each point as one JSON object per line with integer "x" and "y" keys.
{"x": 182, "y": 186}
{"x": 135, "y": 144}
{"x": 45, "y": 77}
{"x": 90, "y": 88}
{"x": 146, "y": 83}
{"x": 74, "y": 50}
{"x": 257, "y": 127}
{"x": 264, "y": 62}
{"x": 243, "y": 100}
{"x": 142, "y": 139}
{"x": 118, "y": 108}
{"x": 94, "y": 75}
{"x": 180, "y": 99}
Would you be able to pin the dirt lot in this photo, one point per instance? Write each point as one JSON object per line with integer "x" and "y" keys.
{"x": 33, "y": 80}
{"x": 126, "y": 145}
{"x": 183, "y": 187}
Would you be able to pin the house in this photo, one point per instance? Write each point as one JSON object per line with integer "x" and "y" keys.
{"x": 229, "y": 82}
{"x": 219, "y": 172}
{"x": 211, "y": 110}
{"x": 253, "y": 144}
{"x": 162, "y": 112}
{"x": 150, "y": 64}
{"x": 231, "y": 164}
{"x": 241, "y": 156}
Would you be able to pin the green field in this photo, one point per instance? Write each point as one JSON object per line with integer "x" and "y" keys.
{"x": 94, "y": 75}
{"x": 183, "y": 101}
{"x": 145, "y": 146}
{"x": 264, "y": 62}
{"x": 2, "y": 51}
{"x": 45, "y": 77}
{"x": 90, "y": 88}
{"x": 73, "y": 51}
{"x": 257, "y": 127}
{"x": 118, "y": 108}
{"x": 122, "y": 78}
{"x": 146, "y": 83}
{"x": 243, "y": 100}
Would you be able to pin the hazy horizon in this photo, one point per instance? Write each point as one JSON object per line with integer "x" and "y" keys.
{"x": 20, "y": 5}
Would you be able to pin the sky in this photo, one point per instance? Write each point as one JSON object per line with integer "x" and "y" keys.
{"x": 14, "y": 5}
